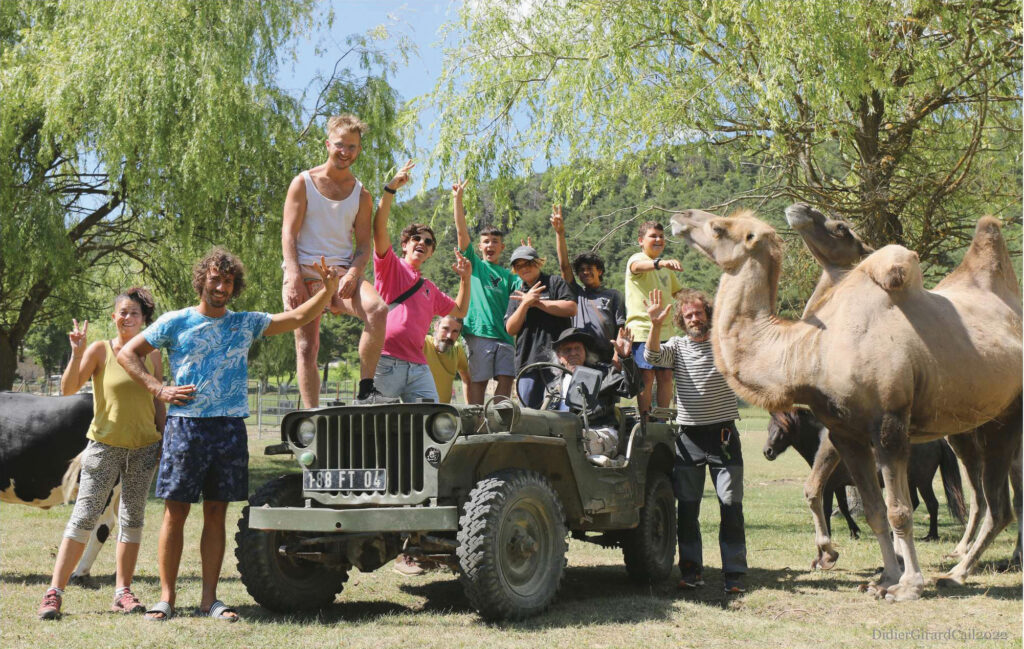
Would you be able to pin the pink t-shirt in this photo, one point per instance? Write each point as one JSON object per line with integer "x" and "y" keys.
{"x": 408, "y": 322}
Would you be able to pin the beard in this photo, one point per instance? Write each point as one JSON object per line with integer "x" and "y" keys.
{"x": 442, "y": 346}
{"x": 698, "y": 330}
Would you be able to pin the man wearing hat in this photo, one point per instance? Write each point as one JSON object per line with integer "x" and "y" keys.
{"x": 536, "y": 315}
{"x": 621, "y": 378}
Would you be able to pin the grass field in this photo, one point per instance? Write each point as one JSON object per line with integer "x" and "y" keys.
{"x": 786, "y": 605}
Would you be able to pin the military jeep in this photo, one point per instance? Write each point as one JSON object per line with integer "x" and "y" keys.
{"x": 491, "y": 490}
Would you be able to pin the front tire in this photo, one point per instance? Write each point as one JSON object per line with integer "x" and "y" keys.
{"x": 512, "y": 545}
{"x": 649, "y": 551}
{"x": 281, "y": 583}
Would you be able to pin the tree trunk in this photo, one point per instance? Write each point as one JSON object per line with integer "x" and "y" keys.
{"x": 8, "y": 360}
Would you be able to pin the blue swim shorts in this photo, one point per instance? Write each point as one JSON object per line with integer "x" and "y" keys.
{"x": 204, "y": 456}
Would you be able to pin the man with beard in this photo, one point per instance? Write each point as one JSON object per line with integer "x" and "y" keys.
{"x": 447, "y": 357}
{"x": 706, "y": 414}
{"x": 205, "y": 445}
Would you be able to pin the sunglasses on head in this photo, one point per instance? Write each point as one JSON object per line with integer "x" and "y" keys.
{"x": 419, "y": 238}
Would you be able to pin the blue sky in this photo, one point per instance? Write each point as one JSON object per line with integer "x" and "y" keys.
{"x": 419, "y": 21}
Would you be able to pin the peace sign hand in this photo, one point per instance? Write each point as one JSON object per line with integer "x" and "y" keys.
{"x": 462, "y": 267}
{"x": 458, "y": 189}
{"x": 77, "y": 338}
{"x": 557, "y": 223}
{"x": 402, "y": 176}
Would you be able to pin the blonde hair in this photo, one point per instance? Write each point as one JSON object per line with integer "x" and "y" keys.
{"x": 347, "y": 123}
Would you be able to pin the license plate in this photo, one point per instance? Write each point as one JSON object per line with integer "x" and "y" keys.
{"x": 345, "y": 480}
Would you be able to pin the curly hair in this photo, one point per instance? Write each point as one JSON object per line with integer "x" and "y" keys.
{"x": 347, "y": 123}
{"x": 142, "y": 297}
{"x": 225, "y": 263}
{"x": 416, "y": 228}
{"x": 690, "y": 296}
{"x": 587, "y": 259}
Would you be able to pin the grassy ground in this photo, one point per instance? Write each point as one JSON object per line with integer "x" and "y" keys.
{"x": 786, "y": 606}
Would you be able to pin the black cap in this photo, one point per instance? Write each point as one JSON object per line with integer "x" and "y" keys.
{"x": 528, "y": 253}
{"x": 573, "y": 334}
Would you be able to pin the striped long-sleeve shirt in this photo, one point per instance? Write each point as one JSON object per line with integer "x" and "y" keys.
{"x": 702, "y": 395}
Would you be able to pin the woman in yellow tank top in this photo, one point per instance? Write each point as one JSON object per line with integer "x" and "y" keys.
{"x": 124, "y": 436}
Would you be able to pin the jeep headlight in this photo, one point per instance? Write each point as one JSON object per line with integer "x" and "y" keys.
{"x": 307, "y": 431}
{"x": 443, "y": 427}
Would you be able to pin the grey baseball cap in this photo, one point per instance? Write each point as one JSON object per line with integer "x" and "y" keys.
{"x": 526, "y": 253}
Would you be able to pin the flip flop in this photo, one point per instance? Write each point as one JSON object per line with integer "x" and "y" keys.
{"x": 160, "y": 607}
{"x": 219, "y": 611}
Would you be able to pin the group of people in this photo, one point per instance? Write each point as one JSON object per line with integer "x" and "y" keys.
{"x": 191, "y": 431}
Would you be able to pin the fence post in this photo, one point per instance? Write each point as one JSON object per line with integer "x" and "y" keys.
{"x": 259, "y": 409}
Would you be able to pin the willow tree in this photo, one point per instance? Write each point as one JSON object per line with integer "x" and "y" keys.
{"x": 136, "y": 134}
{"x": 903, "y": 116}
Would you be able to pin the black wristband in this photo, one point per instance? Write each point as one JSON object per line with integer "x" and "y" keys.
{"x": 389, "y": 190}
{"x": 657, "y": 263}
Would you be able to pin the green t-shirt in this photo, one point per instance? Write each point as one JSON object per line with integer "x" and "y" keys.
{"x": 490, "y": 287}
{"x": 638, "y": 286}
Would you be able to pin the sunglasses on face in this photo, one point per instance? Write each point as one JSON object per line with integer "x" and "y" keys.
{"x": 427, "y": 241}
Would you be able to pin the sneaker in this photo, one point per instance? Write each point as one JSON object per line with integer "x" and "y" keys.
{"x": 50, "y": 608}
{"x": 374, "y": 398}
{"x": 691, "y": 577}
{"x": 408, "y": 566}
{"x": 734, "y": 583}
{"x": 127, "y": 603}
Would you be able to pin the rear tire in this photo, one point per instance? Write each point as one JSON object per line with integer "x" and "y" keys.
{"x": 281, "y": 583}
{"x": 649, "y": 551}
{"x": 512, "y": 545}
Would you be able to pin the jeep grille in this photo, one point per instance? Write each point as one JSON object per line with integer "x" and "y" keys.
{"x": 374, "y": 440}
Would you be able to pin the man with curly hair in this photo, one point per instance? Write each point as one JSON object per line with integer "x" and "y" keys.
{"x": 205, "y": 452}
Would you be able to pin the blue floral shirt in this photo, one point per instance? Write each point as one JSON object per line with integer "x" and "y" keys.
{"x": 212, "y": 354}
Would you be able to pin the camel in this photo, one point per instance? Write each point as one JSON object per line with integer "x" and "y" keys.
{"x": 837, "y": 248}
{"x": 881, "y": 363}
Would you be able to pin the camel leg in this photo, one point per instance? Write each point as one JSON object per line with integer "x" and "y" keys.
{"x": 892, "y": 447}
{"x": 1016, "y": 477}
{"x": 1000, "y": 441}
{"x": 825, "y": 462}
{"x": 861, "y": 464}
{"x": 844, "y": 509}
{"x": 932, "y": 504}
{"x": 968, "y": 450}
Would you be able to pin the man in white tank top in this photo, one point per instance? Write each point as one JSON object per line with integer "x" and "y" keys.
{"x": 328, "y": 212}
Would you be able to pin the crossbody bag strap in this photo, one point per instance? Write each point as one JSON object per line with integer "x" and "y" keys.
{"x": 405, "y": 296}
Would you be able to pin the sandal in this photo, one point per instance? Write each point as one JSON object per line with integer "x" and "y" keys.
{"x": 160, "y": 608}
{"x": 219, "y": 611}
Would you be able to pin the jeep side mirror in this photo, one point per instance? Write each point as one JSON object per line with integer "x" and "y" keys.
{"x": 583, "y": 389}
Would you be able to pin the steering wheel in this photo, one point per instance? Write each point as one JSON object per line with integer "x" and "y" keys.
{"x": 551, "y": 391}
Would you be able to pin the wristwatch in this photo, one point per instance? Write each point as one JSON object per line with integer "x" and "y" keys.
{"x": 657, "y": 263}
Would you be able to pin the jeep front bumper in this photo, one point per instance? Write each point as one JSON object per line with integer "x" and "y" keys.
{"x": 377, "y": 519}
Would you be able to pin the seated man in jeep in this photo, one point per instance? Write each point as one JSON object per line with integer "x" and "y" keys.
{"x": 620, "y": 378}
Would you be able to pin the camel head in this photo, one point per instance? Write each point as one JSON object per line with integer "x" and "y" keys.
{"x": 728, "y": 241}
{"x": 832, "y": 242}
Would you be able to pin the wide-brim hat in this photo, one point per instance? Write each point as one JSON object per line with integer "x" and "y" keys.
{"x": 527, "y": 253}
{"x": 574, "y": 334}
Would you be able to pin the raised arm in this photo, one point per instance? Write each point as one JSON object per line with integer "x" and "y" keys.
{"x": 294, "y": 215}
{"x": 381, "y": 239}
{"x": 464, "y": 270}
{"x": 83, "y": 362}
{"x": 291, "y": 320}
{"x": 461, "y": 229}
{"x": 558, "y": 225}
{"x": 658, "y": 312}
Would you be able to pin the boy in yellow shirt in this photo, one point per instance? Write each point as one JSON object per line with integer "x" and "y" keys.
{"x": 647, "y": 271}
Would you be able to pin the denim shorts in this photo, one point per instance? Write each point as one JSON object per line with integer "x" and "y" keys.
{"x": 408, "y": 381}
{"x": 204, "y": 456}
{"x": 489, "y": 358}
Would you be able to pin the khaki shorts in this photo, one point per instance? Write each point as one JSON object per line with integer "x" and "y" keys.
{"x": 312, "y": 283}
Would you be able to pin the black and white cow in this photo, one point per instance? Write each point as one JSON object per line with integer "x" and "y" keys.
{"x": 40, "y": 440}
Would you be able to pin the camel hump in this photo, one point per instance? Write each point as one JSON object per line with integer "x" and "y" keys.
{"x": 894, "y": 268}
{"x": 986, "y": 264}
